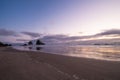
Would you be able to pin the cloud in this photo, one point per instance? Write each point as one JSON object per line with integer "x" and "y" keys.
{"x": 59, "y": 38}
{"x": 13, "y": 36}
{"x": 50, "y": 39}
{"x": 86, "y": 39}
{"x": 5, "y": 32}
{"x": 64, "y": 37}
{"x": 110, "y": 32}
{"x": 32, "y": 34}
{"x": 54, "y": 39}
{"x": 23, "y": 40}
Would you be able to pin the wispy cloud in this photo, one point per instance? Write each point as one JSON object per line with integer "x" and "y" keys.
{"x": 5, "y": 32}
{"x": 50, "y": 39}
{"x": 110, "y": 32}
{"x": 59, "y": 38}
{"x": 23, "y": 40}
{"x": 32, "y": 34}
{"x": 97, "y": 37}
{"x": 65, "y": 37}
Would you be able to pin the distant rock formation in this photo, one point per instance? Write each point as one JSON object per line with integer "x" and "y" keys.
{"x": 24, "y": 45}
{"x": 3, "y": 45}
{"x": 113, "y": 43}
{"x": 30, "y": 43}
{"x": 36, "y": 42}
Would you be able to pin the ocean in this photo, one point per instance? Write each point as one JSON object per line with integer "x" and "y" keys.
{"x": 101, "y": 52}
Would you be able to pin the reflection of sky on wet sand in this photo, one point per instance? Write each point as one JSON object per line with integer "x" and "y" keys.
{"x": 98, "y": 52}
{"x": 95, "y": 52}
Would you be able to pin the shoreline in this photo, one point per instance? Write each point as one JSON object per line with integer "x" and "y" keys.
{"x": 29, "y": 65}
{"x": 71, "y": 55}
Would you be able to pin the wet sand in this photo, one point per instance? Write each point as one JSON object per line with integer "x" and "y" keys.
{"x": 28, "y": 65}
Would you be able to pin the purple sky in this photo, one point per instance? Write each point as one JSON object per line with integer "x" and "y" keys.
{"x": 59, "y": 20}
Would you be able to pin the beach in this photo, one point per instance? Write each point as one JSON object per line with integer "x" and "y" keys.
{"x": 31, "y": 65}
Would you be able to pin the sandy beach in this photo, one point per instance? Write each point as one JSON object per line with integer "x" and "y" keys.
{"x": 28, "y": 65}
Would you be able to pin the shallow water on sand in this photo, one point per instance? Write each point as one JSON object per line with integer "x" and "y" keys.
{"x": 89, "y": 51}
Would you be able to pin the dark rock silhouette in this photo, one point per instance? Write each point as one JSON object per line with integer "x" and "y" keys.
{"x": 30, "y": 43}
{"x": 38, "y": 42}
{"x": 38, "y": 48}
{"x": 24, "y": 44}
{"x": 3, "y": 45}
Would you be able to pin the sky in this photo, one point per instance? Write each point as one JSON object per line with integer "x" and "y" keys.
{"x": 59, "y": 21}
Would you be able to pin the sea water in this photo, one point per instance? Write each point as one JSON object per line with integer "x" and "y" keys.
{"x": 103, "y": 52}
